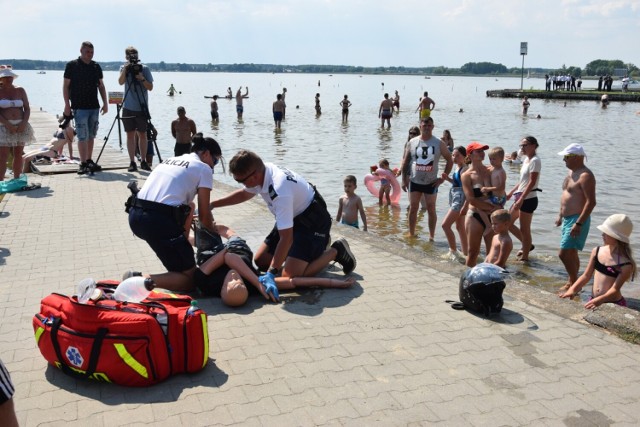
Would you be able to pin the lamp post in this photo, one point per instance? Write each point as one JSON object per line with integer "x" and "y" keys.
{"x": 523, "y": 52}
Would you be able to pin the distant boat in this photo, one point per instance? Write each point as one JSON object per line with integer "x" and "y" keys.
{"x": 427, "y": 77}
{"x": 42, "y": 72}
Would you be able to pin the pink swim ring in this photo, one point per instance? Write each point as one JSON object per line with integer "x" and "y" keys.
{"x": 370, "y": 181}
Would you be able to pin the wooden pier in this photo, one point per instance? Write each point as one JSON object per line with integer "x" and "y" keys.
{"x": 45, "y": 124}
{"x": 583, "y": 95}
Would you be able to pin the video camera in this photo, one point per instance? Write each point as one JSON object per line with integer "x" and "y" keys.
{"x": 134, "y": 64}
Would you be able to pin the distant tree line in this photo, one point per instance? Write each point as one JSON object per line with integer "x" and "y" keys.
{"x": 593, "y": 68}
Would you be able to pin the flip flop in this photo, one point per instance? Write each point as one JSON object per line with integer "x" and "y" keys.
{"x": 31, "y": 187}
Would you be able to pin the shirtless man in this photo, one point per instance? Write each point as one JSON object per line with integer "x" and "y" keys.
{"x": 396, "y": 102}
{"x": 284, "y": 95}
{"x": 278, "y": 110}
{"x": 214, "y": 108}
{"x": 183, "y": 129}
{"x": 239, "y": 97}
{"x": 385, "y": 111}
{"x": 426, "y": 106}
{"x": 576, "y": 204}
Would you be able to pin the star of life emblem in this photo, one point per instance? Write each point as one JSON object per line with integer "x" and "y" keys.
{"x": 74, "y": 356}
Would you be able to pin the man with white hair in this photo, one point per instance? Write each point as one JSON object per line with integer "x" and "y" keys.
{"x": 576, "y": 204}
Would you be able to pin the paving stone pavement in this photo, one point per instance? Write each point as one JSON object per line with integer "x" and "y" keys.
{"x": 388, "y": 351}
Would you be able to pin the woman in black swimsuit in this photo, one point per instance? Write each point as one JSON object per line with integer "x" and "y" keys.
{"x": 473, "y": 179}
{"x": 612, "y": 264}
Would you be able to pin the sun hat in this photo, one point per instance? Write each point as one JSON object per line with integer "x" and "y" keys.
{"x": 5, "y": 71}
{"x": 618, "y": 226}
{"x": 575, "y": 149}
{"x": 475, "y": 146}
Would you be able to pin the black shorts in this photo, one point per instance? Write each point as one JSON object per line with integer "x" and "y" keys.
{"x": 310, "y": 232}
{"x": 529, "y": 205}
{"x": 180, "y": 149}
{"x": 211, "y": 285}
{"x": 134, "y": 120}
{"x": 430, "y": 188}
{"x": 164, "y": 236}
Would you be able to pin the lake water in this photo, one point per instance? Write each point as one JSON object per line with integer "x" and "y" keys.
{"x": 324, "y": 149}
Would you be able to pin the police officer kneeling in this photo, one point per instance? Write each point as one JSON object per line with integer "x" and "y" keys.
{"x": 161, "y": 212}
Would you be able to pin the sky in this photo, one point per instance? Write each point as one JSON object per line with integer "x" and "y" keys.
{"x": 369, "y": 33}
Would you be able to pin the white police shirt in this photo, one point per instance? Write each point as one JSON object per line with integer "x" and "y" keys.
{"x": 176, "y": 180}
{"x": 286, "y": 193}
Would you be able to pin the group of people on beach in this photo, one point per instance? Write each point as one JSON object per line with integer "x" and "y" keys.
{"x": 477, "y": 197}
{"x": 477, "y": 207}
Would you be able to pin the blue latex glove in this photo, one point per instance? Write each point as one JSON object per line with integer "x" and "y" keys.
{"x": 269, "y": 283}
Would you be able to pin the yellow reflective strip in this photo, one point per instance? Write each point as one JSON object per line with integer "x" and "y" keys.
{"x": 205, "y": 336}
{"x": 130, "y": 360}
{"x": 38, "y": 334}
{"x": 174, "y": 296}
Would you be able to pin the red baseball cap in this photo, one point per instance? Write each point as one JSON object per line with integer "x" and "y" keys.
{"x": 475, "y": 146}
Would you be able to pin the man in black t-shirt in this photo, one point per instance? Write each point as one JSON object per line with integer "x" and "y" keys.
{"x": 82, "y": 81}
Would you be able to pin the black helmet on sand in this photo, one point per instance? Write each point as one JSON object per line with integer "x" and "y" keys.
{"x": 481, "y": 288}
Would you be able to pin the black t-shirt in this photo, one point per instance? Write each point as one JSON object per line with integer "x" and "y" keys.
{"x": 83, "y": 88}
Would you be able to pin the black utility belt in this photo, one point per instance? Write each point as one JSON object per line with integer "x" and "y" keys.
{"x": 178, "y": 213}
{"x": 315, "y": 214}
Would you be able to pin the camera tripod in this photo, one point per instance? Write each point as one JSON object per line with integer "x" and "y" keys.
{"x": 152, "y": 133}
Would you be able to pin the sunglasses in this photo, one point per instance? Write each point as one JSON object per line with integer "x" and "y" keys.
{"x": 567, "y": 156}
{"x": 243, "y": 180}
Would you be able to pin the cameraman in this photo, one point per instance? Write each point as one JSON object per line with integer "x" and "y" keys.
{"x": 137, "y": 81}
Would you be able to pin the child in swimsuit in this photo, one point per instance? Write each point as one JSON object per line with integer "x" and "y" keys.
{"x": 496, "y": 192}
{"x": 350, "y": 204}
{"x": 610, "y": 265}
{"x": 385, "y": 184}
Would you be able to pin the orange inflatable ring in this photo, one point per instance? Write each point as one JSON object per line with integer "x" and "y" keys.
{"x": 370, "y": 181}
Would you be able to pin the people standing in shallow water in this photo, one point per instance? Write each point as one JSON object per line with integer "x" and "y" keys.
{"x": 457, "y": 204}
{"x": 525, "y": 196}
{"x": 239, "y": 97}
{"x": 350, "y": 205}
{"x": 611, "y": 265}
{"x": 345, "y": 104}
{"x": 421, "y": 159}
{"x": 284, "y": 102}
{"x": 426, "y": 106}
{"x": 525, "y": 105}
{"x": 396, "y": 102}
{"x": 576, "y": 204}
{"x": 385, "y": 111}
{"x": 318, "y": 109}
{"x": 501, "y": 243}
{"x": 214, "y": 109}
{"x": 473, "y": 179}
{"x": 278, "y": 110}
{"x": 447, "y": 139}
